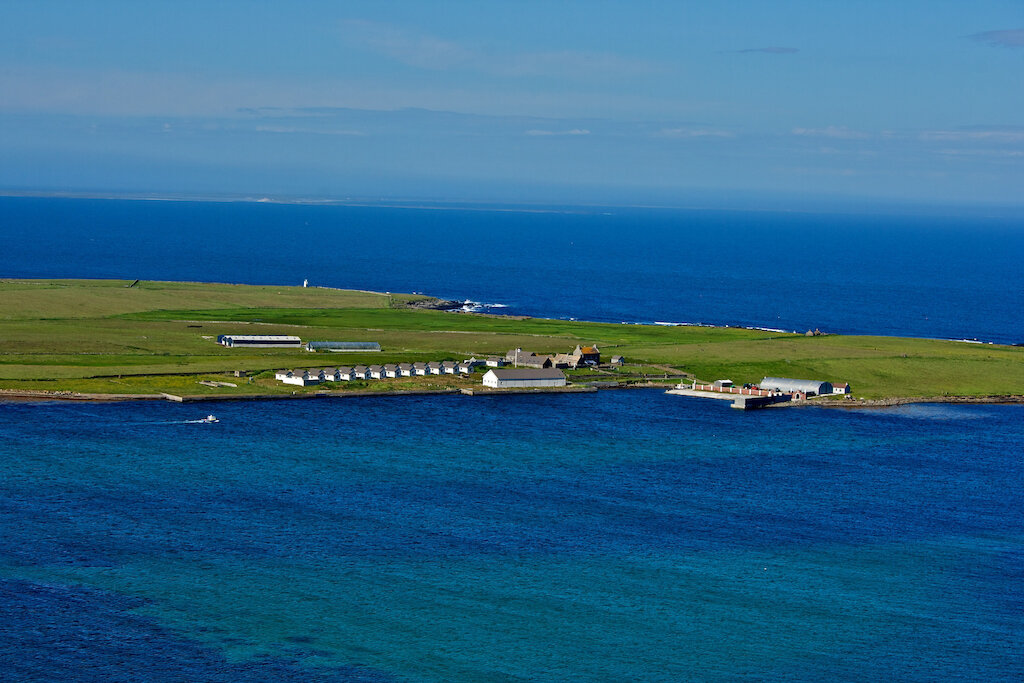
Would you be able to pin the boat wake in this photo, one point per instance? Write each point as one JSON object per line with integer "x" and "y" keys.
{"x": 209, "y": 419}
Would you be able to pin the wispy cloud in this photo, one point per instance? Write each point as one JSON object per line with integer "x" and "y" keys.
{"x": 408, "y": 47}
{"x": 541, "y": 132}
{"x": 977, "y": 134}
{"x": 775, "y": 50}
{"x": 1007, "y": 38}
{"x": 971, "y": 153}
{"x": 564, "y": 63}
{"x": 293, "y": 130}
{"x": 834, "y": 132}
{"x": 695, "y": 133}
{"x": 426, "y": 51}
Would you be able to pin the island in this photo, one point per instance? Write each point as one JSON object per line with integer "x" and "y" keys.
{"x": 129, "y": 339}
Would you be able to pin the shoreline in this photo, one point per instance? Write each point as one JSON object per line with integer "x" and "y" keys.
{"x": 902, "y": 400}
{"x": 27, "y": 396}
{"x": 455, "y": 306}
{"x": 894, "y": 370}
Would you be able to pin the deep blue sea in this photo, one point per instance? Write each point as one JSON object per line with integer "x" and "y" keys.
{"x": 617, "y": 536}
{"x": 950, "y": 277}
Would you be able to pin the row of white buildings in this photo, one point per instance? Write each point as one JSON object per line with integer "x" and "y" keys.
{"x": 306, "y": 377}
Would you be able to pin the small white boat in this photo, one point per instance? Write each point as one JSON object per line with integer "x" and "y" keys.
{"x": 209, "y": 418}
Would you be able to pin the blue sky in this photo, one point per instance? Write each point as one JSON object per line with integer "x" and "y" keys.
{"x": 523, "y": 101}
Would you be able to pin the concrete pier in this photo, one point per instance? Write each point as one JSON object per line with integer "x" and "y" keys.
{"x": 739, "y": 401}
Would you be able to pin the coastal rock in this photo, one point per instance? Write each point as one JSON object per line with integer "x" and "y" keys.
{"x": 434, "y": 304}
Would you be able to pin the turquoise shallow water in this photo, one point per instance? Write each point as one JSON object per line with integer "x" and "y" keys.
{"x": 610, "y": 536}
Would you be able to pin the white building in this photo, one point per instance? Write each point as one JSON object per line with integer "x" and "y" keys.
{"x": 786, "y": 385}
{"x": 377, "y": 372}
{"x": 260, "y": 341}
{"x": 842, "y": 388}
{"x": 468, "y": 366}
{"x": 302, "y": 378}
{"x": 391, "y": 370}
{"x": 509, "y": 378}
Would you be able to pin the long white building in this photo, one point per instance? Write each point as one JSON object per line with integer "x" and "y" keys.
{"x": 511, "y": 378}
{"x": 811, "y": 387}
{"x": 260, "y": 341}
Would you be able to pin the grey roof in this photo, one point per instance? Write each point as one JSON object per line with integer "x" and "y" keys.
{"x": 787, "y": 384}
{"x": 527, "y": 373}
{"x": 346, "y": 345}
{"x": 260, "y": 337}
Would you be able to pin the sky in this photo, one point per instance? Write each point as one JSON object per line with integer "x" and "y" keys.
{"x": 629, "y": 102}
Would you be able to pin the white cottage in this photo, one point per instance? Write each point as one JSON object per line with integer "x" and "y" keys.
{"x": 302, "y": 378}
{"x": 468, "y": 366}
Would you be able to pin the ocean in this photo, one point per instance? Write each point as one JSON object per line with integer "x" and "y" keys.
{"x": 948, "y": 277}
{"x": 620, "y": 535}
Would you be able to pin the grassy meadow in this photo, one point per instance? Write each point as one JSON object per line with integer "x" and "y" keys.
{"x": 105, "y": 337}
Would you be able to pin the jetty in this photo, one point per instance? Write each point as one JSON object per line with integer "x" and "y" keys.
{"x": 742, "y": 398}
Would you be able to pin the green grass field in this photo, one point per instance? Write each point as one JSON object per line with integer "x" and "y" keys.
{"x": 103, "y": 337}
